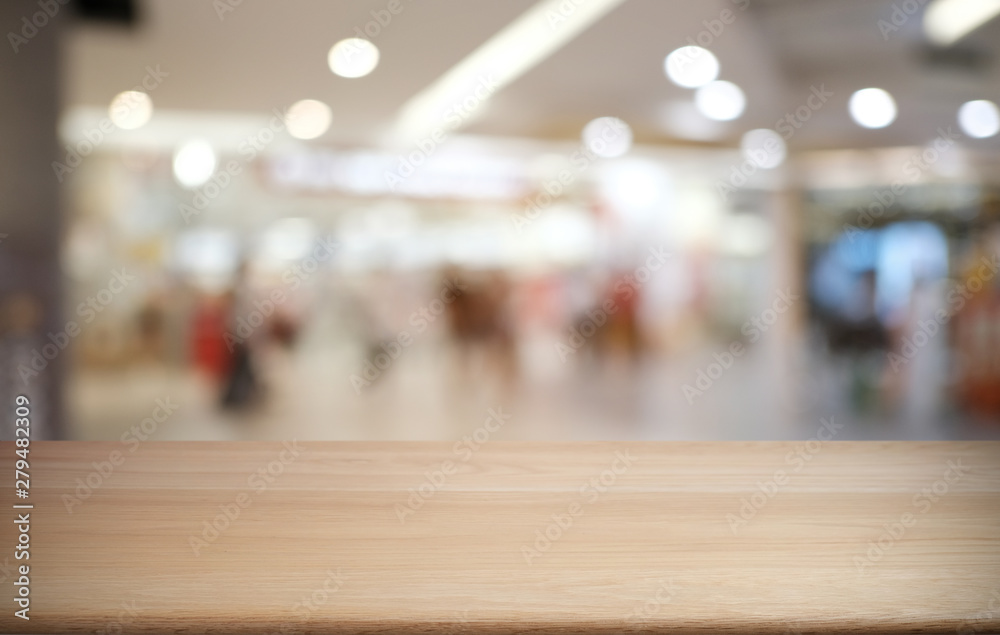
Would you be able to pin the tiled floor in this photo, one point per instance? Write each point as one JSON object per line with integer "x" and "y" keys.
{"x": 424, "y": 396}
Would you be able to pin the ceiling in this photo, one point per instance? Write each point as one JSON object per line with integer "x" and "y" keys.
{"x": 268, "y": 54}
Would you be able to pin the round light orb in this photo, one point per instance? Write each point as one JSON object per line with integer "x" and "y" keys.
{"x": 764, "y": 147}
{"x": 691, "y": 66}
{"x": 194, "y": 163}
{"x": 872, "y": 108}
{"x": 130, "y": 109}
{"x": 353, "y": 57}
{"x": 607, "y": 137}
{"x": 308, "y": 119}
{"x": 979, "y": 118}
{"x": 720, "y": 100}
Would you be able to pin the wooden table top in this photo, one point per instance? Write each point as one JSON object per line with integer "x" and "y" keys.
{"x": 334, "y": 537}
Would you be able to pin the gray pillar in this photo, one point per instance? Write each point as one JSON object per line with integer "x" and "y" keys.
{"x": 30, "y": 218}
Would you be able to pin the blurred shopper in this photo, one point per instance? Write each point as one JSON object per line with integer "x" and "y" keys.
{"x": 624, "y": 337}
{"x": 482, "y": 328}
{"x": 241, "y": 387}
{"x": 501, "y": 337}
{"x": 977, "y": 331}
{"x": 208, "y": 344}
{"x": 607, "y": 330}
{"x": 151, "y": 330}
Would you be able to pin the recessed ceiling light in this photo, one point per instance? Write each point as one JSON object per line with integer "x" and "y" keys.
{"x": 607, "y": 137}
{"x": 308, "y": 119}
{"x": 720, "y": 100}
{"x": 194, "y": 163}
{"x": 691, "y": 66}
{"x": 872, "y": 108}
{"x": 764, "y": 147}
{"x": 979, "y": 118}
{"x": 353, "y": 57}
{"x": 131, "y": 109}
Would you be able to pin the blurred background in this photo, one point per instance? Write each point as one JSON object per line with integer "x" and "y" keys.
{"x": 586, "y": 219}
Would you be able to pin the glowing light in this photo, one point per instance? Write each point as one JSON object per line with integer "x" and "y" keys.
{"x": 872, "y": 108}
{"x": 979, "y": 119}
{"x": 607, "y": 137}
{"x": 691, "y": 66}
{"x": 194, "y": 163}
{"x": 308, "y": 119}
{"x": 720, "y": 100}
{"x": 131, "y": 109}
{"x": 947, "y": 21}
{"x": 353, "y": 57}
{"x": 764, "y": 147}
{"x": 517, "y": 48}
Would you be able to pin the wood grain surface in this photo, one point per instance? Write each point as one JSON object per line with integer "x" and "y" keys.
{"x": 331, "y": 537}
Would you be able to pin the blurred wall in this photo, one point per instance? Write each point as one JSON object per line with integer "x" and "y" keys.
{"x": 30, "y": 288}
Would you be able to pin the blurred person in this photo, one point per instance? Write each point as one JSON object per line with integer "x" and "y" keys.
{"x": 241, "y": 386}
{"x": 151, "y": 329}
{"x": 285, "y": 328}
{"x": 976, "y": 326}
{"x": 863, "y": 339}
{"x": 481, "y": 325}
{"x": 375, "y": 311}
{"x": 608, "y": 328}
{"x": 208, "y": 343}
{"x": 624, "y": 336}
{"x": 501, "y": 338}
{"x": 918, "y": 373}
